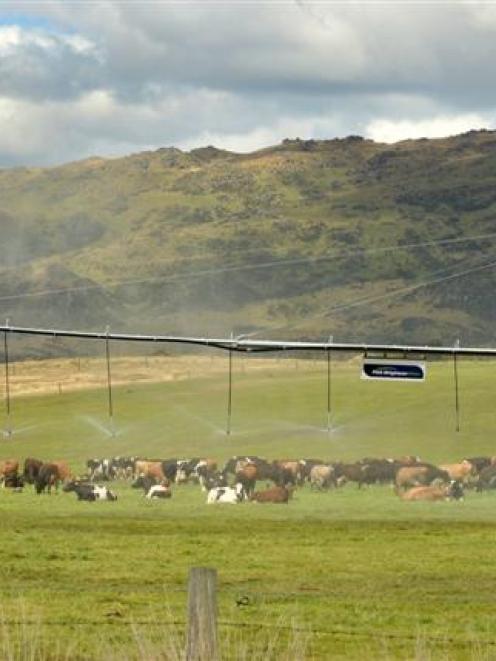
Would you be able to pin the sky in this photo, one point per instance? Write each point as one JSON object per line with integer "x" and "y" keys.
{"x": 79, "y": 79}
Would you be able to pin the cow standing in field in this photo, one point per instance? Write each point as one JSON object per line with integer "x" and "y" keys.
{"x": 51, "y": 475}
{"x": 464, "y": 471}
{"x": 149, "y": 469}
{"x": 247, "y": 476}
{"x": 32, "y": 469}
{"x": 307, "y": 465}
{"x": 322, "y": 477}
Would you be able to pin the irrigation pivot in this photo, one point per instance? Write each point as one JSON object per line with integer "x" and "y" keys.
{"x": 389, "y": 354}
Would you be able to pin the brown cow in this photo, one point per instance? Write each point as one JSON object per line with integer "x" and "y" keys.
{"x": 414, "y": 476}
{"x": 322, "y": 477}
{"x": 462, "y": 472}
{"x": 8, "y": 467}
{"x": 276, "y": 495}
{"x": 247, "y": 476}
{"x": 431, "y": 493}
{"x": 63, "y": 469}
{"x": 149, "y": 469}
{"x": 51, "y": 475}
{"x": 292, "y": 471}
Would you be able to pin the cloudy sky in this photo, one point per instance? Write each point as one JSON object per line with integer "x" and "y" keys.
{"x": 110, "y": 78}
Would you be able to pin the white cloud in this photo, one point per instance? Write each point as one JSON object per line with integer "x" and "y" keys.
{"x": 386, "y": 130}
{"x": 108, "y": 76}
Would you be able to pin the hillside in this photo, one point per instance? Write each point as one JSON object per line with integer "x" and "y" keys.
{"x": 304, "y": 239}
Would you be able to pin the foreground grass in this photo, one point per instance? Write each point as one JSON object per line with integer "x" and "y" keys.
{"x": 347, "y": 567}
{"x": 345, "y": 574}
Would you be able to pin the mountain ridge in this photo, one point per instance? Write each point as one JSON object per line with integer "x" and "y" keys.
{"x": 308, "y": 237}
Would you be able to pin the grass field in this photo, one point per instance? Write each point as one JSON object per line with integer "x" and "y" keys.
{"x": 344, "y": 574}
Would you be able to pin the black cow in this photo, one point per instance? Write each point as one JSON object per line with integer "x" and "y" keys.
{"x": 487, "y": 479}
{"x": 31, "y": 469}
{"x": 144, "y": 482}
{"x": 169, "y": 469}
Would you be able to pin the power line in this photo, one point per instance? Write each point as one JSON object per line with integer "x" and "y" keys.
{"x": 374, "y": 299}
{"x": 242, "y": 267}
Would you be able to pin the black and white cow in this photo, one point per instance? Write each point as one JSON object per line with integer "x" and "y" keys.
{"x": 152, "y": 488}
{"x": 100, "y": 469}
{"x": 90, "y": 492}
{"x": 226, "y": 495}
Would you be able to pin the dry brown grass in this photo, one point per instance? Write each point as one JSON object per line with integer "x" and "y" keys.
{"x": 41, "y": 377}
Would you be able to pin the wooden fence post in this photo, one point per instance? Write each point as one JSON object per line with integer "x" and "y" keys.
{"x": 201, "y": 643}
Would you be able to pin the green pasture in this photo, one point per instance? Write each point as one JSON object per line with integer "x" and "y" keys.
{"x": 343, "y": 574}
{"x": 275, "y": 413}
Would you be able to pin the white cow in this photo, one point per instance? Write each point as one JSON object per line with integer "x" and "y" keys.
{"x": 226, "y": 495}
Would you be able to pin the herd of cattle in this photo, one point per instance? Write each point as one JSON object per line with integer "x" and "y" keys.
{"x": 236, "y": 480}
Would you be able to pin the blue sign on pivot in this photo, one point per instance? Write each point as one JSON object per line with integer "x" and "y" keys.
{"x": 393, "y": 370}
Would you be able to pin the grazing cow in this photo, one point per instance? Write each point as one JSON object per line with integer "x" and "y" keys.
{"x": 227, "y": 495}
{"x": 31, "y": 469}
{"x": 322, "y": 477}
{"x": 276, "y": 495}
{"x": 451, "y": 491}
{"x": 423, "y": 475}
{"x": 463, "y": 472}
{"x": 89, "y": 492}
